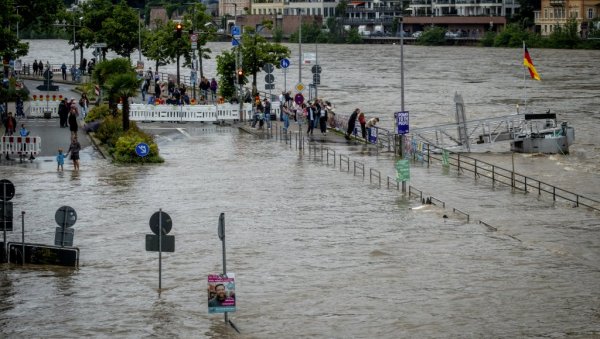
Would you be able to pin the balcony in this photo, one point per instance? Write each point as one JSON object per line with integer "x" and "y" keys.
{"x": 557, "y": 3}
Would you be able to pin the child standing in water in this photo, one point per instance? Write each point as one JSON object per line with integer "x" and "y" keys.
{"x": 60, "y": 160}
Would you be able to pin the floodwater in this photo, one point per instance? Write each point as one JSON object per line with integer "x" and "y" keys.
{"x": 318, "y": 252}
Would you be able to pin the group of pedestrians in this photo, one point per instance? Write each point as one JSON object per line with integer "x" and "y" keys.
{"x": 68, "y": 112}
{"x": 10, "y": 129}
{"x": 176, "y": 94}
{"x": 365, "y": 126}
{"x": 314, "y": 113}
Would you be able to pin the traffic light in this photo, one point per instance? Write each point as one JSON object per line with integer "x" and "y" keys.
{"x": 240, "y": 75}
{"x": 178, "y": 29}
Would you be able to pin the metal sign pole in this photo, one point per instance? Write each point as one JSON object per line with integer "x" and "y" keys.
{"x": 23, "y": 237}
{"x": 222, "y": 237}
{"x": 160, "y": 231}
{"x": 64, "y": 227}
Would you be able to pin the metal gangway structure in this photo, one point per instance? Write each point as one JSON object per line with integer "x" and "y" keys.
{"x": 463, "y": 134}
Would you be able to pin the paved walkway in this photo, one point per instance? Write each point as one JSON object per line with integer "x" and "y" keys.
{"x": 53, "y": 136}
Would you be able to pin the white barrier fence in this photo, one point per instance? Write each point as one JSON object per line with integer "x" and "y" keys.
{"x": 195, "y": 113}
{"x": 37, "y": 109}
{"x": 22, "y": 146}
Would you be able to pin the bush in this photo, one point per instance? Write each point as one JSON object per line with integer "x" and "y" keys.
{"x": 111, "y": 128}
{"x": 97, "y": 113}
{"x": 432, "y": 36}
{"x": 124, "y": 150}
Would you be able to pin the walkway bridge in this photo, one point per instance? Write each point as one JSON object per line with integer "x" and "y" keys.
{"x": 463, "y": 133}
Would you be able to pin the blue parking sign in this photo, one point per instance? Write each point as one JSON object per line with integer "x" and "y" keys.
{"x": 402, "y": 122}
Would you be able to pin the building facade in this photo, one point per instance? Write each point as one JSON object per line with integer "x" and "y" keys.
{"x": 556, "y": 13}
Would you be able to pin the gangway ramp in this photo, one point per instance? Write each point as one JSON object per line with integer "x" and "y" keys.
{"x": 462, "y": 134}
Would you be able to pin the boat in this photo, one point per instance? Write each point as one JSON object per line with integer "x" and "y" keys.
{"x": 543, "y": 134}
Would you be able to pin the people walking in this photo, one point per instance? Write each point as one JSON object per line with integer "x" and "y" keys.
{"x": 73, "y": 126}
{"x": 35, "y": 67}
{"x": 323, "y": 119}
{"x": 352, "y": 123}
{"x": 74, "y": 149}
{"x": 84, "y": 103}
{"x": 286, "y": 117}
{"x": 63, "y": 113}
{"x": 63, "y": 69}
{"x": 213, "y": 89}
{"x": 370, "y": 124}
{"x": 60, "y": 160}
{"x": 40, "y": 67}
{"x": 10, "y": 124}
{"x": 363, "y": 124}
{"x": 310, "y": 116}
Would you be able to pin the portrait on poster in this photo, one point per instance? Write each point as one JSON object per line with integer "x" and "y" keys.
{"x": 221, "y": 293}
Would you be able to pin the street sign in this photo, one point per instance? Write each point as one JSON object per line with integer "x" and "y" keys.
{"x": 65, "y": 216}
{"x": 310, "y": 57}
{"x": 142, "y": 149}
{"x": 194, "y": 38}
{"x": 285, "y": 63}
{"x": 7, "y": 190}
{"x": 403, "y": 170}
{"x": 268, "y": 68}
{"x": 194, "y": 45}
{"x": 402, "y": 122}
{"x": 167, "y": 223}
{"x": 167, "y": 242}
{"x": 64, "y": 236}
{"x": 300, "y": 87}
{"x": 6, "y": 216}
{"x": 316, "y": 69}
{"x": 299, "y": 98}
{"x": 317, "y": 79}
{"x": 269, "y": 78}
{"x": 269, "y": 86}
{"x": 234, "y": 42}
{"x": 99, "y": 45}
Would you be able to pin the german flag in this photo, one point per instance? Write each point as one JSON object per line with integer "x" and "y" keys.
{"x": 529, "y": 64}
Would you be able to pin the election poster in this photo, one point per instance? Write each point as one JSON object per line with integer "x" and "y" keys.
{"x": 221, "y": 293}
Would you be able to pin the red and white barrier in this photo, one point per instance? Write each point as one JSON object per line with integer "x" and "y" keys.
{"x": 21, "y": 146}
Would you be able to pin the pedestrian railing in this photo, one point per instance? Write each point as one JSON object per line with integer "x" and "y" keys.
{"x": 499, "y": 175}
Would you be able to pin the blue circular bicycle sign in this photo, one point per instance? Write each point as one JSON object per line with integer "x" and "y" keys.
{"x": 142, "y": 149}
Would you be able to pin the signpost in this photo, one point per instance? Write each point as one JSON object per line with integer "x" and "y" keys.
{"x": 402, "y": 122}
{"x": 65, "y": 217}
{"x": 160, "y": 225}
{"x": 403, "y": 172}
{"x": 6, "y": 216}
{"x": 228, "y": 304}
{"x": 285, "y": 63}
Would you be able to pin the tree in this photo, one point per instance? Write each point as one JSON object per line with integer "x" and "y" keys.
{"x": 257, "y": 51}
{"x": 120, "y": 31}
{"x": 199, "y": 19}
{"x": 105, "y": 70}
{"x": 227, "y": 73}
{"x": 124, "y": 86}
{"x": 10, "y": 47}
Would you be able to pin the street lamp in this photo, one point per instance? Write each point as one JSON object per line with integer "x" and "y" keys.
{"x": 18, "y": 19}
{"x": 64, "y": 24}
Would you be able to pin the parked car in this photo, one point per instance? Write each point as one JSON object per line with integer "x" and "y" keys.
{"x": 451, "y": 35}
{"x": 417, "y": 34}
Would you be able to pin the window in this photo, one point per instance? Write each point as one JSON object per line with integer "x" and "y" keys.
{"x": 590, "y": 13}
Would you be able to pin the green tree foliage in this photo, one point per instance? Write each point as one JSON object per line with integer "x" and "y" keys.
{"x": 257, "y": 51}
{"x": 353, "y": 36}
{"x": 164, "y": 47}
{"x": 513, "y": 36}
{"x": 564, "y": 36}
{"x": 226, "y": 70}
{"x": 120, "y": 30}
{"x": 432, "y": 36}
{"x": 10, "y": 47}
{"x": 124, "y": 86}
{"x": 107, "y": 69}
{"x": 36, "y": 16}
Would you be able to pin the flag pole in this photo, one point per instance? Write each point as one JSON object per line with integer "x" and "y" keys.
{"x": 524, "y": 81}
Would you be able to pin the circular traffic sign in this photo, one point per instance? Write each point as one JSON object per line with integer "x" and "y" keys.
{"x": 142, "y": 149}
{"x": 194, "y": 38}
{"x": 163, "y": 217}
{"x": 316, "y": 69}
{"x": 65, "y": 216}
{"x": 7, "y": 190}
{"x": 268, "y": 68}
{"x": 299, "y": 98}
{"x": 285, "y": 63}
{"x": 269, "y": 78}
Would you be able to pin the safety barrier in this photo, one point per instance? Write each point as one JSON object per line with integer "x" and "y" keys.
{"x": 13, "y": 145}
{"x": 191, "y": 113}
{"x": 38, "y": 107}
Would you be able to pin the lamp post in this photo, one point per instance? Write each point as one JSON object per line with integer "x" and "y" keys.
{"x": 300, "y": 47}
{"x": 18, "y": 19}
{"x": 139, "y": 34}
